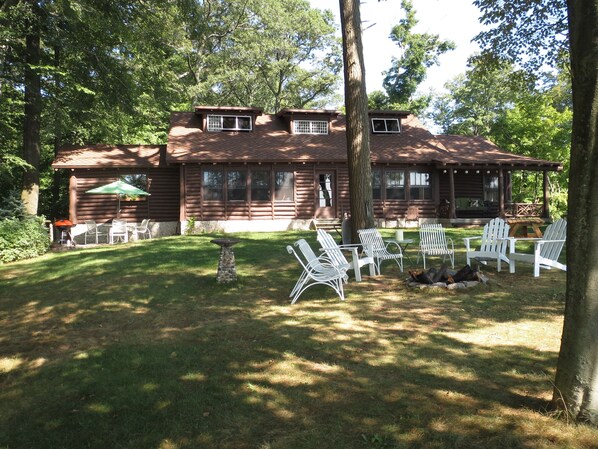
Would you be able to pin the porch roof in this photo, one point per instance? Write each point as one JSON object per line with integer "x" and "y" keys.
{"x": 110, "y": 156}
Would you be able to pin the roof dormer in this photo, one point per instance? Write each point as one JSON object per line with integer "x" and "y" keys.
{"x": 386, "y": 122}
{"x": 227, "y": 118}
{"x": 308, "y": 121}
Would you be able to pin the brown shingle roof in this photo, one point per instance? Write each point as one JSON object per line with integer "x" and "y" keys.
{"x": 270, "y": 141}
{"x": 105, "y": 156}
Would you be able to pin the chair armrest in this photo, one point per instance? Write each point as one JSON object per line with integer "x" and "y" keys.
{"x": 395, "y": 244}
{"x": 468, "y": 240}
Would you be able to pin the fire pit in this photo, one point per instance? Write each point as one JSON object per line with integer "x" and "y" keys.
{"x": 444, "y": 278}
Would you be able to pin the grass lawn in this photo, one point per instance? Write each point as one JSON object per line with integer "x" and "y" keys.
{"x": 137, "y": 346}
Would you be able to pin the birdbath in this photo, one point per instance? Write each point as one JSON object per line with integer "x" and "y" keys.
{"x": 226, "y": 264}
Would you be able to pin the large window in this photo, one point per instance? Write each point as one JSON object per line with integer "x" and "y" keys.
{"x": 377, "y": 184}
{"x": 284, "y": 185}
{"x": 386, "y": 125}
{"x": 213, "y": 183}
{"x": 419, "y": 186}
{"x": 229, "y": 123}
{"x": 310, "y": 127}
{"x": 491, "y": 188}
{"x": 236, "y": 185}
{"x": 395, "y": 184}
{"x": 260, "y": 185}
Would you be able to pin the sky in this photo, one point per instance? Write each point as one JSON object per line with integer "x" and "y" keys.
{"x": 456, "y": 20}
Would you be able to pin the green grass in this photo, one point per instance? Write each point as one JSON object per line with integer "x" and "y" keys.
{"x": 137, "y": 346}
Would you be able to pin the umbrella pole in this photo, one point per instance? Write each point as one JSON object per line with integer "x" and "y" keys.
{"x": 118, "y": 210}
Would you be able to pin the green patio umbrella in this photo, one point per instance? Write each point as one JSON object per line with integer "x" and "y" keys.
{"x": 118, "y": 188}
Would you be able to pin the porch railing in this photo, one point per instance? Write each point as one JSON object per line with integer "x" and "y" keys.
{"x": 523, "y": 209}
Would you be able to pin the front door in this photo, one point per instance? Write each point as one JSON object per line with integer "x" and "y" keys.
{"x": 325, "y": 199}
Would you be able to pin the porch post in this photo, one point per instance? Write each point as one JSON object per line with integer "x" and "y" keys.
{"x": 73, "y": 199}
{"x": 452, "y": 208}
{"x": 501, "y": 193}
{"x": 546, "y": 206}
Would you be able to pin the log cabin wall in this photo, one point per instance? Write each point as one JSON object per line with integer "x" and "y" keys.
{"x": 304, "y": 202}
{"x": 161, "y": 205}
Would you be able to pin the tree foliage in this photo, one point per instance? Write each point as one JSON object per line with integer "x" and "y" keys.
{"x": 111, "y": 72}
{"x": 419, "y": 51}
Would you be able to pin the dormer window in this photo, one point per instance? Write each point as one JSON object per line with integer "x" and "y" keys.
{"x": 229, "y": 123}
{"x": 386, "y": 125}
{"x": 310, "y": 127}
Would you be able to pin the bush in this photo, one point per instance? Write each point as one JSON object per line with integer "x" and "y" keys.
{"x": 22, "y": 239}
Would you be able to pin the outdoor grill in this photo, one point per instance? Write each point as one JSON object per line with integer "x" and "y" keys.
{"x": 63, "y": 232}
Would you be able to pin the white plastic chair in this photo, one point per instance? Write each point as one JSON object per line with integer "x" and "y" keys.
{"x": 119, "y": 231}
{"x": 546, "y": 250}
{"x": 494, "y": 243}
{"x": 434, "y": 242}
{"x": 374, "y": 246}
{"x": 317, "y": 270}
{"x": 143, "y": 229}
{"x": 335, "y": 253}
{"x": 94, "y": 231}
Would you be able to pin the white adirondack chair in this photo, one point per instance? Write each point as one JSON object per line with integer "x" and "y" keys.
{"x": 335, "y": 253}
{"x": 494, "y": 243}
{"x": 374, "y": 246}
{"x": 546, "y": 250}
{"x": 317, "y": 270}
{"x": 434, "y": 242}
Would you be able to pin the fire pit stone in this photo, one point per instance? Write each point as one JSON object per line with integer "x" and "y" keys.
{"x": 466, "y": 277}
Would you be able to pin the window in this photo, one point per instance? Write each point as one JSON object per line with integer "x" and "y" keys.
{"x": 395, "y": 184}
{"x": 236, "y": 184}
{"x": 386, "y": 125}
{"x": 138, "y": 180}
{"x": 260, "y": 185}
{"x": 284, "y": 186}
{"x": 419, "y": 186}
{"x": 377, "y": 184}
{"x": 213, "y": 183}
{"x": 310, "y": 127}
{"x": 491, "y": 188}
{"x": 229, "y": 123}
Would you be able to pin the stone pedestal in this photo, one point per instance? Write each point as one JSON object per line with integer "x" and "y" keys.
{"x": 226, "y": 263}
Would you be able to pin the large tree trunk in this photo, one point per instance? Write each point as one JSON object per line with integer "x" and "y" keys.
{"x": 356, "y": 104}
{"x": 31, "y": 127}
{"x": 576, "y": 384}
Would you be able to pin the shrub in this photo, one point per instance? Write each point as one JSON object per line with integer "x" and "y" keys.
{"x": 22, "y": 239}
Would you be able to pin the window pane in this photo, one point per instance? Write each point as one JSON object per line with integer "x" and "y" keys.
{"x": 244, "y": 122}
{"x": 392, "y": 125}
{"x": 377, "y": 184}
{"x": 325, "y": 190}
{"x": 212, "y": 185}
{"x": 395, "y": 184}
{"x": 138, "y": 180}
{"x": 379, "y": 126}
{"x": 491, "y": 188}
{"x": 419, "y": 186}
{"x": 236, "y": 185}
{"x": 260, "y": 185}
{"x": 285, "y": 186}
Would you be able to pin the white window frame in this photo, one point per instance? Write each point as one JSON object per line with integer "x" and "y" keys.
{"x": 310, "y": 127}
{"x": 216, "y": 123}
{"x": 386, "y": 128}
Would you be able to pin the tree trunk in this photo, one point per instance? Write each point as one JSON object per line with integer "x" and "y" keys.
{"x": 31, "y": 126}
{"x": 356, "y": 104}
{"x": 576, "y": 383}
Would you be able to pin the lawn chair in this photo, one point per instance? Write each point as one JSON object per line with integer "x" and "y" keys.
{"x": 433, "y": 242}
{"x": 546, "y": 250}
{"x": 119, "y": 231}
{"x": 374, "y": 246}
{"x": 143, "y": 229}
{"x": 335, "y": 254}
{"x": 316, "y": 270}
{"x": 495, "y": 241}
{"x": 94, "y": 231}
